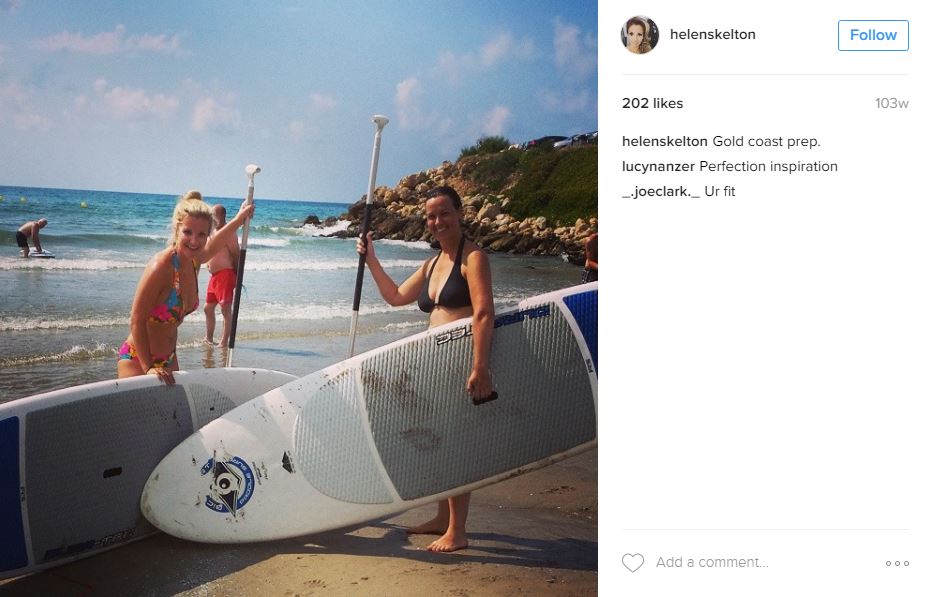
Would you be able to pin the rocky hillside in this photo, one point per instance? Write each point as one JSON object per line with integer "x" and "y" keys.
{"x": 559, "y": 205}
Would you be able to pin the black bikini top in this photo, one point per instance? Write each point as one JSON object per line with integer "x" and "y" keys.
{"x": 454, "y": 293}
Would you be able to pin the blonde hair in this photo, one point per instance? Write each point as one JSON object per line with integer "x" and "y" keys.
{"x": 190, "y": 204}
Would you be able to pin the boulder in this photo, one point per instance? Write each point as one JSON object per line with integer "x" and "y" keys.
{"x": 473, "y": 201}
{"x": 489, "y": 210}
{"x": 414, "y": 228}
{"x": 505, "y": 243}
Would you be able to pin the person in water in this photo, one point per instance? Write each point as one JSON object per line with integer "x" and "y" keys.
{"x": 27, "y": 231}
{"x": 453, "y": 285}
{"x": 168, "y": 291}
{"x": 590, "y": 260}
{"x": 221, "y": 289}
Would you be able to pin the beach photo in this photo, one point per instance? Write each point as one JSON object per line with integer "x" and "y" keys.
{"x": 189, "y": 187}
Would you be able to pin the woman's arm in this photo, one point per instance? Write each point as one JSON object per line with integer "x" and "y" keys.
{"x": 219, "y": 239}
{"x": 478, "y": 275}
{"x": 394, "y": 295}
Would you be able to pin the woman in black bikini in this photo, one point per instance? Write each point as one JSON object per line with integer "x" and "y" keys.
{"x": 454, "y": 285}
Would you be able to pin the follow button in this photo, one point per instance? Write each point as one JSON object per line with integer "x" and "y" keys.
{"x": 874, "y": 36}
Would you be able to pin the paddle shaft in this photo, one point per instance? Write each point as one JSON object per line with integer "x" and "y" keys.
{"x": 366, "y": 222}
{"x": 240, "y": 273}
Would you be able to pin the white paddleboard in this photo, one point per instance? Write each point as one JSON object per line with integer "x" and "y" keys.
{"x": 43, "y": 254}
{"x": 73, "y": 462}
{"x": 388, "y": 430}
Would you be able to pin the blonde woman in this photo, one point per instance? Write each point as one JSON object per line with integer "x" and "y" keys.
{"x": 168, "y": 290}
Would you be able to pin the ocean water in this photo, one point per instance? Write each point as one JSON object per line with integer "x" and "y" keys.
{"x": 62, "y": 320}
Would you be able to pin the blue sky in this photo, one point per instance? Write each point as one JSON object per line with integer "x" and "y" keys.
{"x": 164, "y": 96}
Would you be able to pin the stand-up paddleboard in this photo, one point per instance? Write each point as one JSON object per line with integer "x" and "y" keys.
{"x": 73, "y": 462}
{"x": 388, "y": 430}
{"x": 43, "y": 254}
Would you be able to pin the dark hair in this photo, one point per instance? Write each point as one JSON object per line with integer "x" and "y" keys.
{"x": 445, "y": 191}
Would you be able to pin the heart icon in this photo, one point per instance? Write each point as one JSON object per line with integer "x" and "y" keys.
{"x": 633, "y": 561}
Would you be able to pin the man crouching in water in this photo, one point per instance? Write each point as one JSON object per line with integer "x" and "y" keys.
{"x": 222, "y": 286}
{"x": 27, "y": 231}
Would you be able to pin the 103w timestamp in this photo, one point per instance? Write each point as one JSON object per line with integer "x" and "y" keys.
{"x": 891, "y": 103}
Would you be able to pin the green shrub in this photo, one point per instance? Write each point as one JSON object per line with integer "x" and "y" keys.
{"x": 493, "y": 172}
{"x": 560, "y": 185}
{"x": 493, "y": 144}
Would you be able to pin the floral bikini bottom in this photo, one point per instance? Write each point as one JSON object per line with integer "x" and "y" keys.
{"x": 128, "y": 352}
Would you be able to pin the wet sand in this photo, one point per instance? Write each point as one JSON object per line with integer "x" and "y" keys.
{"x": 531, "y": 535}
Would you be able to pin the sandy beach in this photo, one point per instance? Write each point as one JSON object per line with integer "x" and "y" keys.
{"x": 531, "y": 535}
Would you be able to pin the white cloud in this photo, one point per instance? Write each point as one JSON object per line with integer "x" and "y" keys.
{"x": 495, "y": 120}
{"x": 450, "y": 67}
{"x": 295, "y": 130}
{"x": 31, "y": 121}
{"x": 565, "y": 102}
{"x": 15, "y": 103}
{"x": 504, "y": 47}
{"x": 575, "y": 56}
{"x": 320, "y": 103}
{"x": 407, "y": 100}
{"x": 408, "y": 106}
{"x": 155, "y": 43}
{"x": 212, "y": 115}
{"x": 214, "y": 109}
{"x": 311, "y": 123}
{"x": 110, "y": 42}
{"x": 128, "y": 103}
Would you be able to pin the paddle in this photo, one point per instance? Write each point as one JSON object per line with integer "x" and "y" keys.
{"x": 251, "y": 170}
{"x": 380, "y": 122}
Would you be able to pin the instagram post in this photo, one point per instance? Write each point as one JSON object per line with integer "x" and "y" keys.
{"x": 765, "y": 227}
{"x": 299, "y": 298}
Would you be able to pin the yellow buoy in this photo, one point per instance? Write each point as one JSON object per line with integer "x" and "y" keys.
{"x": 83, "y": 203}
{"x": 22, "y": 199}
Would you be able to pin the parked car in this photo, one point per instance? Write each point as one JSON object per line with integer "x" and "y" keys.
{"x": 567, "y": 142}
{"x": 544, "y": 141}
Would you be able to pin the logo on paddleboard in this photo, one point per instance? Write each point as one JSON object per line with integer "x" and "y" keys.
{"x": 231, "y": 484}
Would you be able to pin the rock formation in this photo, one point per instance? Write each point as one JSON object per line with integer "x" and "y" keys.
{"x": 398, "y": 213}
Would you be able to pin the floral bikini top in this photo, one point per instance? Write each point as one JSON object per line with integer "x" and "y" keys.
{"x": 172, "y": 310}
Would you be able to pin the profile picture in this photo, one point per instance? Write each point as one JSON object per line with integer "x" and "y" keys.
{"x": 640, "y": 35}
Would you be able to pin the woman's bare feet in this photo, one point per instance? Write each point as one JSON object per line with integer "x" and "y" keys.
{"x": 448, "y": 522}
{"x": 449, "y": 542}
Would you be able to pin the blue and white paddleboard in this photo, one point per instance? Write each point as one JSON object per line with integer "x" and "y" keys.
{"x": 43, "y": 254}
{"x": 389, "y": 430}
{"x": 73, "y": 462}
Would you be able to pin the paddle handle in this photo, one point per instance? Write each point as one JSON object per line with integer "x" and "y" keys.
{"x": 488, "y": 398}
{"x": 360, "y": 274}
